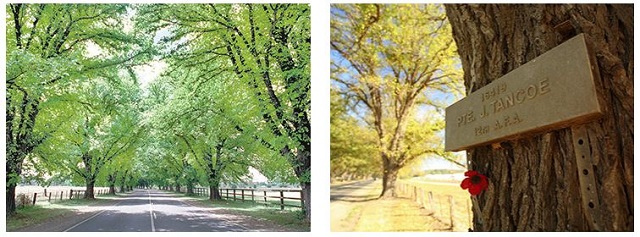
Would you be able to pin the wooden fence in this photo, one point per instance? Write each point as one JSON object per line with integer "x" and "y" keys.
{"x": 275, "y": 197}
{"x": 451, "y": 210}
{"x": 52, "y": 195}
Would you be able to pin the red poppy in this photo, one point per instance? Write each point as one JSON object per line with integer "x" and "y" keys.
{"x": 475, "y": 182}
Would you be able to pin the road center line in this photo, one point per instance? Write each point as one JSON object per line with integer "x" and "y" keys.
{"x": 153, "y": 226}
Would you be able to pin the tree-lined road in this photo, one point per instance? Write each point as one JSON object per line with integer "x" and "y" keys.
{"x": 154, "y": 210}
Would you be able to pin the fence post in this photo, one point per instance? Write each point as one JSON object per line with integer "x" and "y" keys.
{"x": 469, "y": 214}
{"x": 431, "y": 203}
{"x": 234, "y": 194}
{"x": 281, "y": 200}
{"x": 227, "y": 194}
{"x": 265, "y": 199}
{"x": 301, "y": 200}
{"x": 45, "y": 192}
{"x": 35, "y": 195}
{"x": 242, "y": 190}
{"x": 61, "y": 195}
{"x": 70, "y": 194}
{"x": 451, "y": 205}
{"x": 49, "y": 197}
{"x": 415, "y": 193}
{"x": 252, "y": 197}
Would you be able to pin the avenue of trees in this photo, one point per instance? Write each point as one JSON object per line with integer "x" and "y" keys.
{"x": 389, "y": 63}
{"x": 234, "y": 95}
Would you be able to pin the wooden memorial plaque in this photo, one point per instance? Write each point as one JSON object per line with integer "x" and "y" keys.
{"x": 554, "y": 90}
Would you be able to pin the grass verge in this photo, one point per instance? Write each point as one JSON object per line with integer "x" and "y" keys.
{"x": 33, "y": 215}
{"x": 292, "y": 218}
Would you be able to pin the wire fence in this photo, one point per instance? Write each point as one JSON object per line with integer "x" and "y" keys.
{"x": 452, "y": 210}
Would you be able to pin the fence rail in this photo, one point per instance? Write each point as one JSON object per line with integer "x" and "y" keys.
{"x": 46, "y": 195}
{"x": 449, "y": 209}
{"x": 275, "y": 197}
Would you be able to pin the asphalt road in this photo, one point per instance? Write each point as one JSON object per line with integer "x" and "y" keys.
{"x": 154, "y": 210}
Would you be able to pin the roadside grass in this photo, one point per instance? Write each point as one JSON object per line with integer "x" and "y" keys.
{"x": 32, "y": 215}
{"x": 349, "y": 213}
{"x": 289, "y": 217}
{"x": 462, "y": 203}
{"x": 403, "y": 214}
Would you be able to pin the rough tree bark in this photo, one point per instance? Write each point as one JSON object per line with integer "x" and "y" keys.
{"x": 534, "y": 182}
{"x": 389, "y": 177}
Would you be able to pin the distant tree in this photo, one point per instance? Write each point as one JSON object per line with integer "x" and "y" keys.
{"x": 389, "y": 61}
{"x": 352, "y": 144}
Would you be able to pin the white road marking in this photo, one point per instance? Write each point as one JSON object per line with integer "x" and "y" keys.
{"x": 80, "y": 223}
{"x": 151, "y": 214}
{"x": 97, "y": 214}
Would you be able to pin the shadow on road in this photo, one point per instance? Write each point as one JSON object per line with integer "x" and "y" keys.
{"x": 149, "y": 210}
{"x": 353, "y": 198}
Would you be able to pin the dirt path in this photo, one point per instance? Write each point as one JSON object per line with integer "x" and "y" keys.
{"x": 355, "y": 207}
{"x": 347, "y": 200}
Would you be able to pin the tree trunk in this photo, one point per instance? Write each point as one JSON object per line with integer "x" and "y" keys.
{"x": 178, "y": 188}
{"x": 533, "y": 181}
{"x": 214, "y": 192}
{"x": 306, "y": 196}
{"x": 112, "y": 184}
{"x": 389, "y": 177}
{"x": 214, "y": 185}
{"x": 88, "y": 193}
{"x": 14, "y": 170}
{"x": 11, "y": 198}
